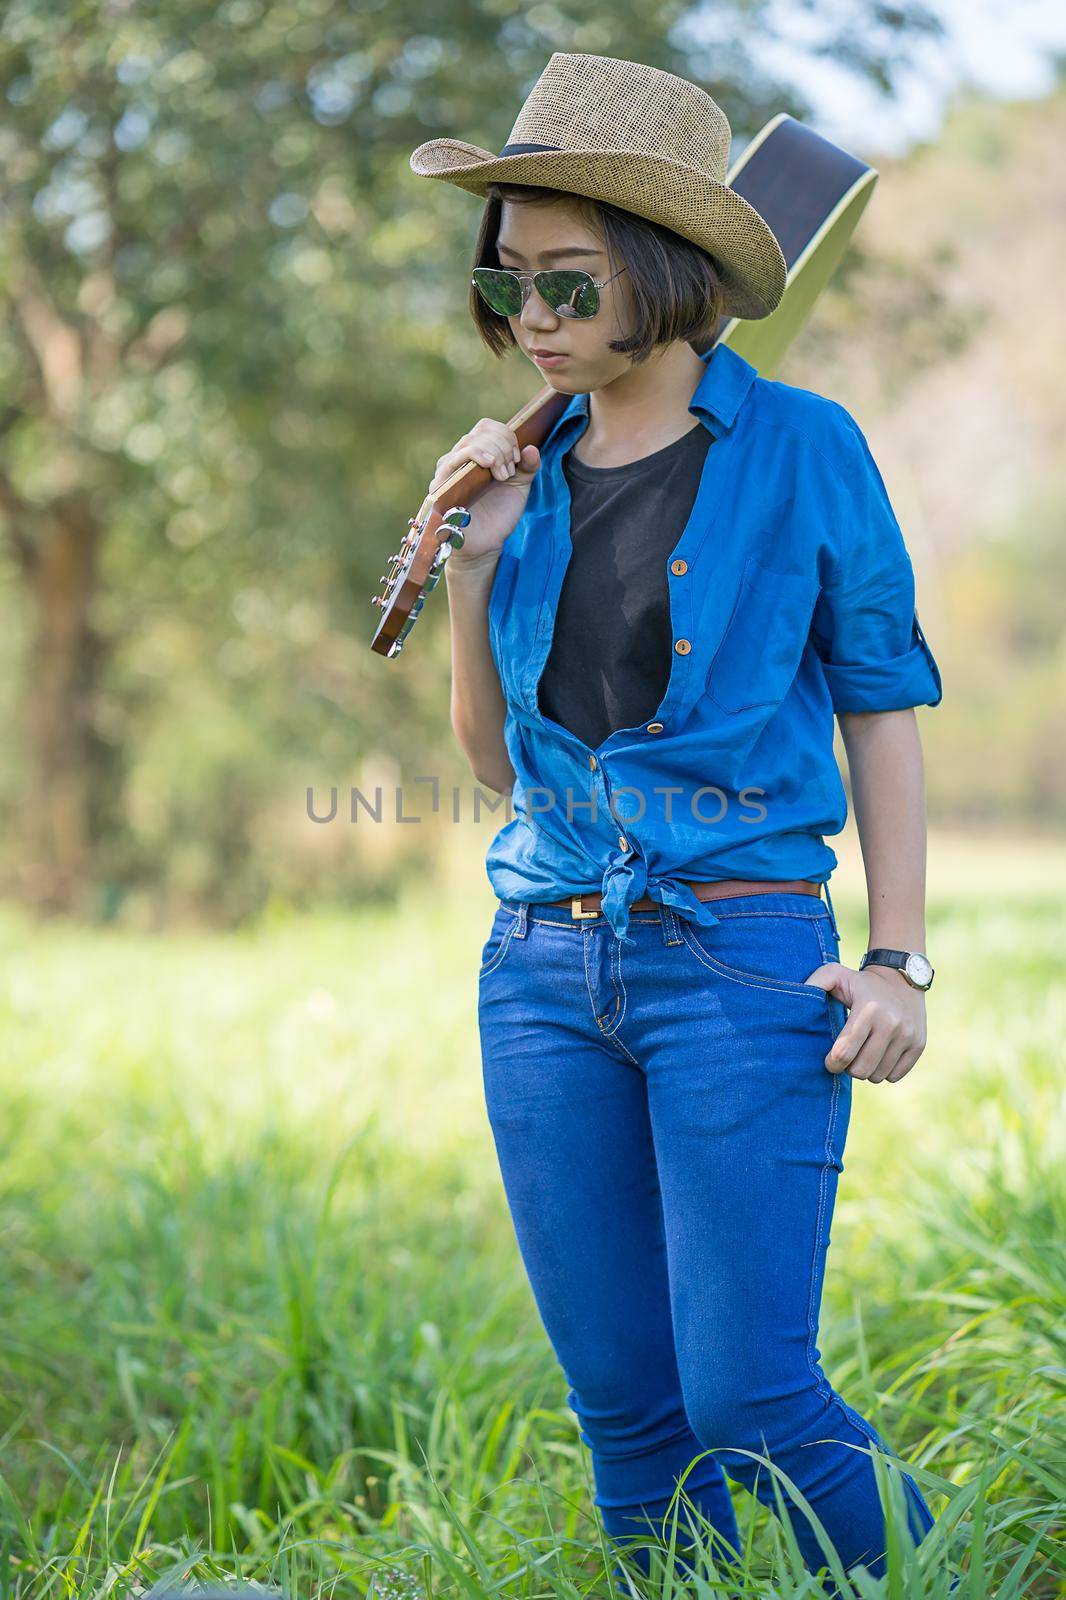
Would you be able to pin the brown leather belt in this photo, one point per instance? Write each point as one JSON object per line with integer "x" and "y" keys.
{"x": 589, "y": 905}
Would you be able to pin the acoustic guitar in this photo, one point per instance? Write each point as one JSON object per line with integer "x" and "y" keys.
{"x": 812, "y": 193}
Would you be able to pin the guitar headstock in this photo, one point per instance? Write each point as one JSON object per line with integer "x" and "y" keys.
{"x": 415, "y": 570}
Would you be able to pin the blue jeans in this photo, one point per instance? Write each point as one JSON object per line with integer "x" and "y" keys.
{"x": 669, "y": 1139}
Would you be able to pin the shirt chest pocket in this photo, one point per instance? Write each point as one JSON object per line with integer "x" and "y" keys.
{"x": 764, "y": 638}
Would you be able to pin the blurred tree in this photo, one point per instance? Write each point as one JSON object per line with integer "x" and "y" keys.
{"x": 232, "y": 316}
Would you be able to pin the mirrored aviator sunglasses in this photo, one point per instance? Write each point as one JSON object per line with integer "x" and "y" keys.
{"x": 568, "y": 293}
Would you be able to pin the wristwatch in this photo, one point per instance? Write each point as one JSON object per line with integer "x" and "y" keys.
{"x": 913, "y": 964}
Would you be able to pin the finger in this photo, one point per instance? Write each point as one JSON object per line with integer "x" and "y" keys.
{"x": 906, "y": 1061}
{"x": 896, "y": 1042}
{"x": 487, "y": 454}
{"x": 849, "y": 1041}
{"x": 889, "y": 1043}
{"x": 498, "y": 437}
{"x": 504, "y": 461}
{"x": 858, "y": 1035}
{"x": 868, "y": 1061}
{"x": 506, "y": 438}
{"x": 497, "y": 455}
{"x": 451, "y": 463}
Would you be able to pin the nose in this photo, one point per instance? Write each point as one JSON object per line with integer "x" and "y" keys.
{"x": 536, "y": 312}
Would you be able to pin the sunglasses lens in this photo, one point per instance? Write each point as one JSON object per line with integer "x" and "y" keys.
{"x": 570, "y": 294}
{"x": 499, "y": 289}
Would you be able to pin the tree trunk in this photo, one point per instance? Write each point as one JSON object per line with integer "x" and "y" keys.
{"x": 62, "y": 570}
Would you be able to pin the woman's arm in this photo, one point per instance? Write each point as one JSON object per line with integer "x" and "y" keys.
{"x": 886, "y": 1030}
{"x": 884, "y": 753}
{"x": 478, "y": 704}
{"x": 478, "y": 707}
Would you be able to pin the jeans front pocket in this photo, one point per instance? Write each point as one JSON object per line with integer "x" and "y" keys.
{"x": 496, "y": 945}
{"x": 774, "y": 949}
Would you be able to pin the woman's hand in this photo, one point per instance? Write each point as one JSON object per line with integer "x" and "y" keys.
{"x": 885, "y": 1032}
{"x": 495, "y": 514}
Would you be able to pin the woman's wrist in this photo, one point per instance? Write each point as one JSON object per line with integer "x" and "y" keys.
{"x": 462, "y": 566}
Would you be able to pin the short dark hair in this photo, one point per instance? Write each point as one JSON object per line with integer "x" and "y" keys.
{"x": 676, "y": 288}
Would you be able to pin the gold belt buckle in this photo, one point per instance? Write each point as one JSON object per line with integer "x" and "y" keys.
{"x": 576, "y": 909}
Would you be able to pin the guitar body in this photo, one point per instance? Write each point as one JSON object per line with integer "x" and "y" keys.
{"x": 812, "y": 193}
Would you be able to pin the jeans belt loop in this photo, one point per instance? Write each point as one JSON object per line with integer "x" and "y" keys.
{"x": 832, "y": 913}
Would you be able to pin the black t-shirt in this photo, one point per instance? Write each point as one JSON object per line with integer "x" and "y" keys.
{"x": 610, "y": 657}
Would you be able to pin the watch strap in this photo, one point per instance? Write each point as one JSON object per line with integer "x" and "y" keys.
{"x": 884, "y": 958}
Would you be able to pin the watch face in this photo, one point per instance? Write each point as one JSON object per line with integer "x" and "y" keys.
{"x": 919, "y": 970}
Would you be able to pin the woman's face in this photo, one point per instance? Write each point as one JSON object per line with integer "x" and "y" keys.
{"x": 534, "y": 236}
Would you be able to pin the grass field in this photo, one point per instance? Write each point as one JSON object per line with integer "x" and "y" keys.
{"x": 262, "y": 1312}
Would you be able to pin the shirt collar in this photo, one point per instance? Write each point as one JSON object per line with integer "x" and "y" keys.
{"x": 717, "y": 398}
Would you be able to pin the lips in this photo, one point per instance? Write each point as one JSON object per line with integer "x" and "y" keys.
{"x": 547, "y": 352}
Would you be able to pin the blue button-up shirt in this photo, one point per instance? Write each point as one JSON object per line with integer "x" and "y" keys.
{"x": 791, "y": 598}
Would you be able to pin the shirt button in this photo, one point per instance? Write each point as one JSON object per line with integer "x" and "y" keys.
{"x": 592, "y": 762}
{"x": 654, "y": 727}
{"x": 623, "y": 842}
{"x": 682, "y": 647}
{"x": 678, "y": 567}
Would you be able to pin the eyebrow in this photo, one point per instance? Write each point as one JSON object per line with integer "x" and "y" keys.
{"x": 553, "y": 255}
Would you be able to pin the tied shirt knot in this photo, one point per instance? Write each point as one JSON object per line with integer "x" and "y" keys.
{"x": 626, "y": 881}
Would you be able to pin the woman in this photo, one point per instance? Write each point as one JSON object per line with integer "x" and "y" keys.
{"x": 654, "y": 620}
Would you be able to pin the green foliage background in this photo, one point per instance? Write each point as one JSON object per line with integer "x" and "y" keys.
{"x": 235, "y": 341}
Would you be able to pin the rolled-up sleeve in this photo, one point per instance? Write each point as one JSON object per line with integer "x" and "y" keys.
{"x": 865, "y": 626}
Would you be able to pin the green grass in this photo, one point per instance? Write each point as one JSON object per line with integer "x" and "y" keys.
{"x": 262, "y": 1312}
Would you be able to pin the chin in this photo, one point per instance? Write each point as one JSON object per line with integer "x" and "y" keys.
{"x": 563, "y": 381}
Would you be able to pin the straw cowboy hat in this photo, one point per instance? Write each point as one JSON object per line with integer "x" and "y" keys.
{"x": 641, "y": 139}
